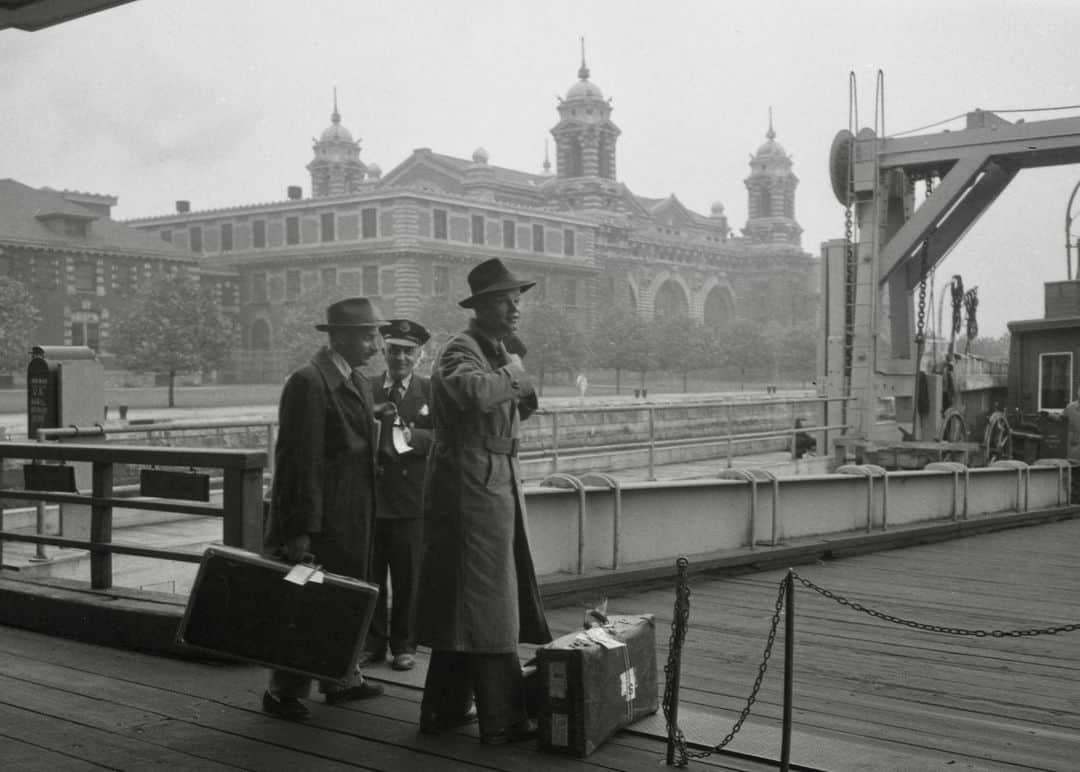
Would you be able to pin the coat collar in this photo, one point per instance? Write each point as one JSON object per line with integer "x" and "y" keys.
{"x": 491, "y": 348}
{"x": 335, "y": 378}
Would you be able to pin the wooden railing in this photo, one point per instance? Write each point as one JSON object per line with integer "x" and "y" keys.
{"x": 241, "y": 509}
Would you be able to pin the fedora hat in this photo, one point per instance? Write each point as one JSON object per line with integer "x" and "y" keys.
{"x": 492, "y": 276}
{"x": 349, "y": 313}
{"x": 404, "y": 332}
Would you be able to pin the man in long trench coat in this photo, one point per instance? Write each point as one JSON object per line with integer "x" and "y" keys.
{"x": 478, "y": 596}
{"x": 323, "y": 498}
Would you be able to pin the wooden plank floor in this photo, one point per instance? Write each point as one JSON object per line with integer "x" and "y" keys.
{"x": 868, "y": 694}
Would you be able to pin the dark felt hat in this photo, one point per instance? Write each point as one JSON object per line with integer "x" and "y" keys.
{"x": 404, "y": 332}
{"x": 492, "y": 276}
{"x": 349, "y": 313}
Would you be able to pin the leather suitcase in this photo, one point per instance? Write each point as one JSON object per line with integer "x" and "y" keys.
{"x": 591, "y": 684}
{"x": 242, "y": 607}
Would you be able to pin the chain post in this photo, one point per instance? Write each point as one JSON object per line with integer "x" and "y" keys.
{"x": 676, "y": 743}
{"x": 789, "y": 668}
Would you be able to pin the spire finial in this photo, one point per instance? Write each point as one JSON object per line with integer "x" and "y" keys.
{"x": 770, "y": 133}
{"x": 547, "y": 161}
{"x": 583, "y": 73}
{"x": 335, "y": 116}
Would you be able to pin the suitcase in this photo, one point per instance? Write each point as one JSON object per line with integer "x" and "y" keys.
{"x": 242, "y": 607}
{"x": 594, "y": 682}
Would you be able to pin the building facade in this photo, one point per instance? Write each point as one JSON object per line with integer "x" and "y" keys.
{"x": 411, "y": 235}
{"x": 82, "y": 267}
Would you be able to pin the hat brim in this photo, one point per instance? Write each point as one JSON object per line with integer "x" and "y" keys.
{"x": 349, "y": 326}
{"x": 524, "y": 286}
{"x": 402, "y": 342}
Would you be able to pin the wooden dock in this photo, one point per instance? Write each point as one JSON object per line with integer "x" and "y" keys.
{"x": 869, "y": 694}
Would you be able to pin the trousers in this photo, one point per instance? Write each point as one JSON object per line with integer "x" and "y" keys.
{"x": 455, "y": 678}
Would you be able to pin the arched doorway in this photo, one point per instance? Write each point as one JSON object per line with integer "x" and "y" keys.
{"x": 670, "y": 300}
{"x": 719, "y": 310}
{"x": 260, "y": 335}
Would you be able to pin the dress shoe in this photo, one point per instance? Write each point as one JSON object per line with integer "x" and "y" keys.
{"x": 288, "y": 708}
{"x": 434, "y": 723}
{"x": 404, "y": 661}
{"x": 524, "y": 730}
{"x": 362, "y": 691}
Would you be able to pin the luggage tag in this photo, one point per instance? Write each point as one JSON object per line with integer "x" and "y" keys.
{"x": 601, "y": 636}
{"x": 302, "y": 573}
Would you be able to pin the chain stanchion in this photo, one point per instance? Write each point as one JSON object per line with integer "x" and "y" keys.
{"x": 678, "y": 755}
{"x": 679, "y": 619}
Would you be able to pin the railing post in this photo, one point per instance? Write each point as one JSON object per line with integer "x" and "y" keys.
{"x": 730, "y": 443}
{"x": 652, "y": 444}
{"x": 242, "y": 504}
{"x": 789, "y": 668}
{"x": 271, "y": 441}
{"x": 554, "y": 442}
{"x": 101, "y": 577}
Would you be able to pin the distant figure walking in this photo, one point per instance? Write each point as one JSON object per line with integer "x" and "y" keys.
{"x": 582, "y": 385}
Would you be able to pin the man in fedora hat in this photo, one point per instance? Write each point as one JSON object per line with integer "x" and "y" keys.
{"x": 478, "y": 593}
{"x": 399, "y": 514}
{"x": 323, "y": 498}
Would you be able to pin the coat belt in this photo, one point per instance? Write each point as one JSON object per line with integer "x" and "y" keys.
{"x": 503, "y": 446}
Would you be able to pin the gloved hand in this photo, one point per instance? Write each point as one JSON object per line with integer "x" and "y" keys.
{"x": 297, "y": 548}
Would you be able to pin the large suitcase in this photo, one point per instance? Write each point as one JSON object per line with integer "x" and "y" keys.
{"x": 241, "y": 606}
{"x": 596, "y": 681}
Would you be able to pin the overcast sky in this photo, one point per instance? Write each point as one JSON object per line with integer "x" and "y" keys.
{"x": 217, "y": 101}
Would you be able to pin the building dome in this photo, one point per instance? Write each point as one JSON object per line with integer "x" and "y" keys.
{"x": 717, "y": 209}
{"x": 584, "y": 88}
{"x": 480, "y": 156}
{"x": 771, "y": 148}
{"x": 374, "y": 171}
{"x": 335, "y": 132}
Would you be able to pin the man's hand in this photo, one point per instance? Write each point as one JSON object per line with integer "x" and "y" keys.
{"x": 297, "y": 548}
{"x": 515, "y": 360}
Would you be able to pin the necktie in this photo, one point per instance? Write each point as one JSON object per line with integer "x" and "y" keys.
{"x": 397, "y": 391}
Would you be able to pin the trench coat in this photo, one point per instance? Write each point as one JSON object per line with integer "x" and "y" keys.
{"x": 478, "y": 591}
{"x": 324, "y": 467}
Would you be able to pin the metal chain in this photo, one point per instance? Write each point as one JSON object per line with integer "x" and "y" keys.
{"x": 679, "y": 621}
{"x": 971, "y": 304}
{"x": 685, "y": 755}
{"x": 935, "y": 628}
{"x": 920, "y": 325}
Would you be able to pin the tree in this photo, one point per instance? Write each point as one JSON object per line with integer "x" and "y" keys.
{"x": 19, "y": 317}
{"x": 296, "y": 334}
{"x": 555, "y": 343}
{"x": 681, "y": 345}
{"x": 172, "y": 326}
{"x": 620, "y": 341}
{"x": 443, "y": 317}
{"x": 744, "y": 348}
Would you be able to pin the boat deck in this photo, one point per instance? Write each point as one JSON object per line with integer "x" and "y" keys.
{"x": 869, "y": 694}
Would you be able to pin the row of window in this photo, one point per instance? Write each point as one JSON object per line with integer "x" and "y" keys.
{"x": 509, "y": 233}
{"x": 369, "y": 277}
{"x": 369, "y": 227}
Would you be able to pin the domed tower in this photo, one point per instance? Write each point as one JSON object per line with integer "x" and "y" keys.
{"x": 336, "y": 168}
{"x": 585, "y": 140}
{"x": 771, "y": 194}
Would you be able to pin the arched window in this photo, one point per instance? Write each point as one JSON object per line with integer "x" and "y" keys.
{"x": 719, "y": 312}
{"x": 260, "y": 335}
{"x": 670, "y": 300}
{"x": 764, "y": 203}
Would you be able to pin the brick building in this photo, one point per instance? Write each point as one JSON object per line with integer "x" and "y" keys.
{"x": 412, "y": 234}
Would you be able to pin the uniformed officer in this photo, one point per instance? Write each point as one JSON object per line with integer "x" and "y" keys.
{"x": 399, "y": 511}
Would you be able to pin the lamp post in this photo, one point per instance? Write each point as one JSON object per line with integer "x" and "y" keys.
{"x": 1068, "y": 235}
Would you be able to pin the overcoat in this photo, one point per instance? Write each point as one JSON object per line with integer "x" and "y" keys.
{"x": 324, "y": 467}
{"x": 401, "y": 482}
{"x": 478, "y": 590}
